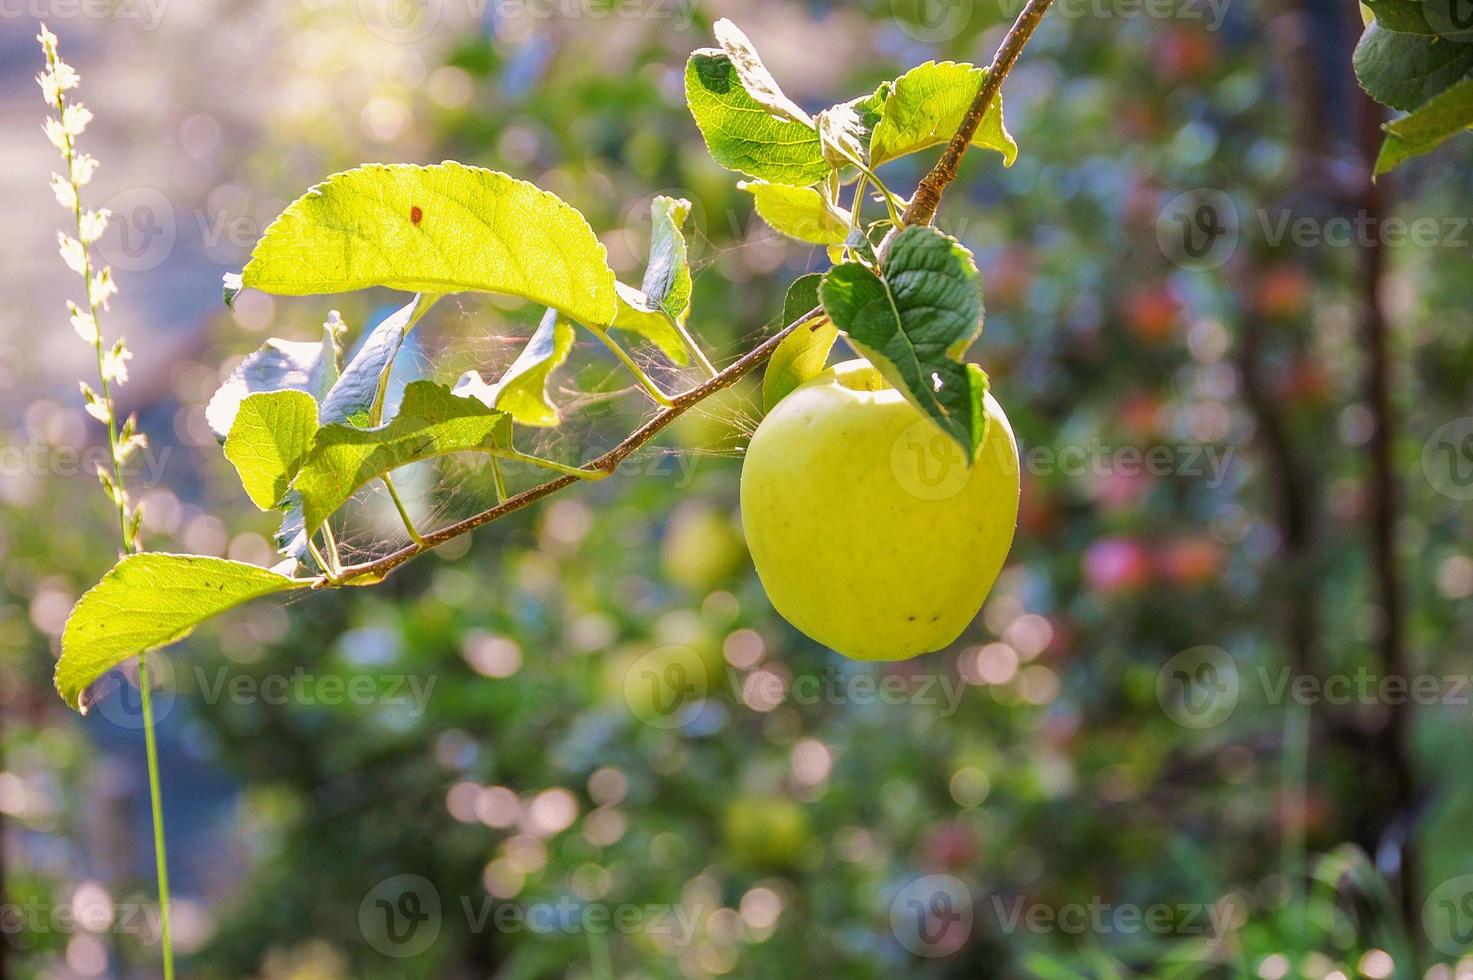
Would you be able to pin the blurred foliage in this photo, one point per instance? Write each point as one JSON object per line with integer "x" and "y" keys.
{"x": 783, "y": 827}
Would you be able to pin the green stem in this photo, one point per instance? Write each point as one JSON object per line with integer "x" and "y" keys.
{"x": 690, "y": 342}
{"x": 550, "y": 464}
{"x": 329, "y": 569}
{"x": 645, "y": 381}
{"x": 497, "y": 480}
{"x": 156, "y": 803}
{"x": 414, "y": 534}
{"x": 330, "y": 540}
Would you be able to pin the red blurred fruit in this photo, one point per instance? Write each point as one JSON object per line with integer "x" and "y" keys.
{"x": 949, "y": 847}
{"x": 1283, "y": 291}
{"x": 1190, "y": 561}
{"x": 1151, "y": 314}
{"x": 1116, "y": 565}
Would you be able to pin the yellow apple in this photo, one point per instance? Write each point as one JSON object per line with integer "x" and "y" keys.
{"x": 869, "y": 532}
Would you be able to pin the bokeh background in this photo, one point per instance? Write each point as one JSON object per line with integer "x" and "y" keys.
{"x": 1170, "y": 745}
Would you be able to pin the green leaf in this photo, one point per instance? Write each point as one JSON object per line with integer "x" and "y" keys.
{"x": 667, "y": 278}
{"x": 1407, "y": 16}
{"x": 1444, "y": 115}
{"x": 655, "y": 311}
{"x": 915, "y": 323}
{"x": 432, "y": 421}
{"x": 291, "y": 535}
{"x": 1405, "y": 70}
{"x": 926, "y": 106}
{"x": 522, "y": 390}
{"x": 740, "y": 134}
{"x": 439, "y": 229}
{"x": 270, "y": 436}
{"x": 641, "y": 315}
{"x": 803, "y": 352}
{"x": 358, "y": 395}
{"x": 279, "y": 365}
{"x": 754, "y": 76}
{"x": 798, "y": 212}
{"x": 149, "y": 601}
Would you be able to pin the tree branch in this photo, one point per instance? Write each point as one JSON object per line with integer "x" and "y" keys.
{"x": 927, "y": 197}
{"x": 371, "y": 571}
{"x": 921, "y": 211}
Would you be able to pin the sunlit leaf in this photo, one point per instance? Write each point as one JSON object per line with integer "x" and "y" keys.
{"x": 522, "y": 391}
{"x": 742, "y": 135}
{"x": 270, "y": 436}
{"x": 926, "y": 106}
{"x": 279, "y": 365}
{"x": 798, "y": 212}
{"x": 432, "y": 421}
{"x": 439, "y": 229}
{"x": 148, "y": 601}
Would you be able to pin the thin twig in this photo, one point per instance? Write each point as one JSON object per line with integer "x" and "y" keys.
{"x": 928, "y": 193}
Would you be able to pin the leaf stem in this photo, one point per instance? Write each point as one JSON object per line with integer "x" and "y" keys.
{"x": 923, "y": 204}
{"x": 498, "y": 480}
{"x": 645, "y": 381}
{"x": 695, "y": 349}
{"x": 577, "y": 472}
{"x": 156, "y": 800}
{"x": 414, "y": 534}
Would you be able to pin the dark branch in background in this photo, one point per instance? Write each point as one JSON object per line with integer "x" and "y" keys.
{"x": 1396, "y": 851}
{"x": 1383, "y": 820}
{"x": 931, "y": 189}
{"x": 928, "y": 193}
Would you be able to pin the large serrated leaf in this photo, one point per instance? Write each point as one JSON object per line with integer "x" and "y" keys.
{"x": 1405, "y": 70}
{"x": 522, "y": 390}
{"x": 798, "y": 212}
{"x": 915, "y": 323}
{"x": 149, "y": 601}
{"x": 1444, "y": 115}
{"x": 271, "y": 434}
{"x": 358, "y": 395}
{"x": 802, "y": 353}
{"x": 439, "y": 229}
{"x": 740, "y": 134}
{"x": 432, "y": 421}
{"x": 926, "y": 106}
{"x": 279, "y": 365}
